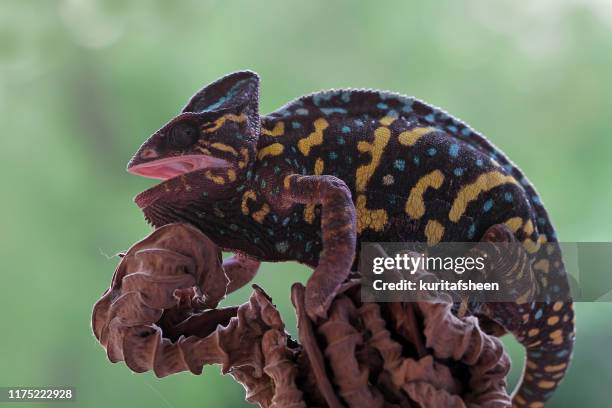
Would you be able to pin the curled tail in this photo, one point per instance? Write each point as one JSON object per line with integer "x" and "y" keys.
{"x": 545, "y": 327}
{"x": 547, "y": 333}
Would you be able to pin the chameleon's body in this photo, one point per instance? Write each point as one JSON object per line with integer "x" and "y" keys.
{"x": 311, "y": 180}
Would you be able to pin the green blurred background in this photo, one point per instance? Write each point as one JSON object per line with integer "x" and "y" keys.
{"x": 83, "y": 83}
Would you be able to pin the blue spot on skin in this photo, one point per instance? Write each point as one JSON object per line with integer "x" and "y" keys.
{"x": 296, "y": 125}
{"x": 321, "y": 97}
{"x": 524, "y": 181}
{"x": 340, "y": 140}
{"x": 392, "y": 114}
{"x": 535, "y": 354}
{"x": 293, "y": 149}
{"x": 301, "y": 111}
{"x": 329, "y": 111}
{"x": 346, "y": 129}
{"x": 432, "y": 151}
{"x": 562, "y": 353}
{"x": 233, "y": 227}
{"x": 416, "y": 160}
{"x": 539, "y": 314}
{"x": 488, "y": 205}
{"x": 471, "y": 231}
{"x": 508, "y": 167}
{"x": 458, "y": 171}
{"x": 541, "y": 221}
{"x": 333, "y": 155}
{"x": 263, "y": 183}
{"x": 479, "y": 162}
{"x": 466, "y": 131}
{"x": 454, "y": 150}
{"x": 452, "y": 128}
{"x": 399, "y": 164}
{"x": 308, "y": 246}
{"x": 430, "y": 118}
{"x": 508, "y": 197}
{"x": 381, "y": 105}
{"x": 536, "y": 200}
{"x": 285, "y": 221}
{"x": 407, "y": 108}
{"x": 358, "y": 122}
{"x": 346, "y": 97}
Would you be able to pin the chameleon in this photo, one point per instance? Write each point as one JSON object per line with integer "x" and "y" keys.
{"x": 312, "y": 180}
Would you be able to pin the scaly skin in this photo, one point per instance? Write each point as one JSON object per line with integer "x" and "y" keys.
{"x": 313, "y": 179}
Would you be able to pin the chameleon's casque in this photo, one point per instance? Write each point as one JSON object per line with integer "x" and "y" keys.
{"x": 311, "y": 180}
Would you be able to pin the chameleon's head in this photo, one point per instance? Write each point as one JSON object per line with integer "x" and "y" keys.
{"x": 217, "y": 128}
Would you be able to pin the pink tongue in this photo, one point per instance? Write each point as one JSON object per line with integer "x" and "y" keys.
{"x": 166, "y": 171}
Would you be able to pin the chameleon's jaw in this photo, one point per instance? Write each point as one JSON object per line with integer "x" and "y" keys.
{"x": 170, "y": 167}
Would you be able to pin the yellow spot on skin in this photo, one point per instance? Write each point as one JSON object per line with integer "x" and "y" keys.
{"x": 372, "y": 219}
{"x": 552, "y": 320}
{"x": 376, "y": 148}
{"x": 415, "y": 206}
{"x": 555, "y": 368}
{"x": 434, "y": 231}
{"x": 547, "y": 384}
{"x": 215, "y": 179}
{"x": 248, "y": 195}
{"x": 410, "y": 137}
{"x": 524, "y": 297}
{"x": 224, "y": 148}
{"x": 520, "y": 400}
{"x": 557, "y": 306}
{"x": 467, "y": 194}
{"x": 231, "y": 175}
{"x": 287, "y": 182}
{"x": 310, "y": 208}
{"x": 532, "y": 365}
{"x": 542, "y": 265}
{"x": 221, "y": 121}
{"x": 318, "y": 168}
{"x": 528, "y": 228}
{"x": 535, "y": 344}
{"x": 204, "y": 150}
{"x": 313, "y": 139}
{"x": 387, "y": 120}
{"x": 278, "y": 130}
{"x": 261, "y": 213}
{"x": 537, "y": 404}
{"x": 556, "y": 334}
{"x": 533, "y": 332}
{"x": 531, "y": 246}
{"x": 514, "y": 223}
{"x": 245, "y": 158}
{"x": 274, "y": 149}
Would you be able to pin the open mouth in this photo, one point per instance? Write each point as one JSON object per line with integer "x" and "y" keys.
{"x": 170, "y": 167}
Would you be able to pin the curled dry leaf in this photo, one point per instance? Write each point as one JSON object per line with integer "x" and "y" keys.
{"x": 160, "y": 314}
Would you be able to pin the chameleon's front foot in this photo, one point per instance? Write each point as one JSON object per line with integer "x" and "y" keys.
{"x": 339, "y": 236}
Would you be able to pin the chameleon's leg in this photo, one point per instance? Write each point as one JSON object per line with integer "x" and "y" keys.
{"x": 339, "y": 235}
{"x": 240, "y": 270}
{"x": 545, "y": 329}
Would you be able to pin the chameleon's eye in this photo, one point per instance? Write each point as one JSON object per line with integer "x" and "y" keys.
{"x": 183, "y": 134}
